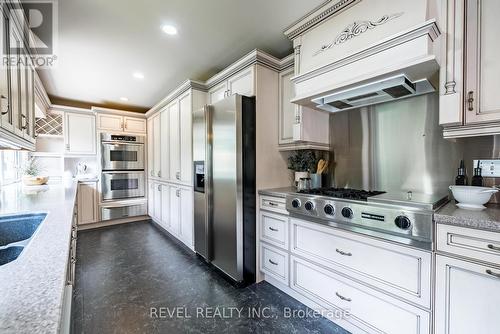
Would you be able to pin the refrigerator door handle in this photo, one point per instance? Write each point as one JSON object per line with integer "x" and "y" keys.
{"x": 208, "y": 183}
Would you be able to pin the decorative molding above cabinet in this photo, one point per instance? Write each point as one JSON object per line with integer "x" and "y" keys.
{"x": 345, "y": 43}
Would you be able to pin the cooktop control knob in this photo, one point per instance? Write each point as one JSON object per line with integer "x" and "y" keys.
{"x": 329, "y": 209}
{"x": 347, "y": 213}
{"x": 402, "y": 222}
{"x": 309, "y": 205}
{"x": 296, "y": 203}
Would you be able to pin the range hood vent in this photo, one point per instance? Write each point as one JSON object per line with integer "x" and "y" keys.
{"x": 384, "y": 90}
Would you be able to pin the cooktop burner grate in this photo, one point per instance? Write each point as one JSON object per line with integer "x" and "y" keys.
{"x": 354, "y": 194}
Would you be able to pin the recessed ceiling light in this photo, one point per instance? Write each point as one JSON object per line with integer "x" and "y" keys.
{"x": 138, "y": 75}
{"x": 169, "y": 29}
{"x": 124, "y": 99}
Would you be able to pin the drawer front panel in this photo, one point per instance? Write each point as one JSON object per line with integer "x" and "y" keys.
{"x": 274, "y": 262}
{"x": 371, "y": 261}
{"x": 274, "y": 204}
{"x": 475, "y": 244}
{"x": 274, "y": 229}
{"x": 368, "y": 310}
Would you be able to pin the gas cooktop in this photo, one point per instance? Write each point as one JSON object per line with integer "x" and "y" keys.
{"x": 354, "y": 194}
{"x": 363, "y": 209}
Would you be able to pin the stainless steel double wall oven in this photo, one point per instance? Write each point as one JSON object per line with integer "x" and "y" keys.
{"x": 123, "y": 162}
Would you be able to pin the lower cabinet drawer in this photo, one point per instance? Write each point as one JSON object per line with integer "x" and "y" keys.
{"x": 402, "y": 271}
{"x": 364, "y": 308}
{"x": 274, "y": 262}
{"x": 274, "y": 229}
{"x": 475, "y": 244}
{"x": 109, "y": 213}
{"x": 275, "y": 204}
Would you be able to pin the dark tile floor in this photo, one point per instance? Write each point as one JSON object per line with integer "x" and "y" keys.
{"x": 124, "y": 271}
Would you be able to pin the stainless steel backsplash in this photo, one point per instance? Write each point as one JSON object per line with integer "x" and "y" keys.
{"x": 396, "y": 146}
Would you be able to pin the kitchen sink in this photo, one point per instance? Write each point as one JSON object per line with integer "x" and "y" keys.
{"x": 16, "y": 232}
{"x": 10, "y": 254}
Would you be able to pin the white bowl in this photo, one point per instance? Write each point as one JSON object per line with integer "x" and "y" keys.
{"x": 472, "y": 198}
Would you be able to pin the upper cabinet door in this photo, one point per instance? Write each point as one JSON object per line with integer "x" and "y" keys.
{"x": 287, "y": 109}
{"x": 151, "y": 144}
{"x": 217, "y": 93}
{"x": 174, "y": 141}
{"x": 157, "y": 172}
{"x": 109, "y": 122}
{"x": 242, "y": 83}
{"x": 164, "y": 142}
{"x": 482, "y": 101}
{"x": 186, "y": 132}
{"x": 6, "y": 120}
{"x": 132, "y": 124}
{"x": 80, "y": 134}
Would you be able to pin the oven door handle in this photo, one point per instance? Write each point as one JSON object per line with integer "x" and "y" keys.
{"x": 115, "y": 143}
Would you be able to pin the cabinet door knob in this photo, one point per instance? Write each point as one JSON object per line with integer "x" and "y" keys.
{"x": 495, "y": 248}
{"x": 470, "y": 100}
{"x": 159, "y": 173}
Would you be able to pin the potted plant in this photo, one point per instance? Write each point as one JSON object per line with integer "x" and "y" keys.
{"x": 32, "y": 172}
{"x": 302, "y": 163}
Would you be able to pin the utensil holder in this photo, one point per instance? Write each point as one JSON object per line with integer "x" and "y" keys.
{"x": 316, "y": 181}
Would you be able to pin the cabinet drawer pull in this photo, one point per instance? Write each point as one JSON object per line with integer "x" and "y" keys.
{"x": 470, "y": 100}
{"x": 342, "y": 252}
{"x": 159, "y": 187}
{"x": 159, "y": 173}
{"x": 490, "y": 272}
{"x": 3, "y": 97}
{"x": 343, "y": 298}
{"x": 273, "y": 263}
{"x": 272, "y": 204}
{"x": 495, "y": 248}
{"x": 273, "y": 229}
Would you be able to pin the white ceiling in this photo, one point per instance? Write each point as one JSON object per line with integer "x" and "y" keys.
{"x": 101, "y": 43}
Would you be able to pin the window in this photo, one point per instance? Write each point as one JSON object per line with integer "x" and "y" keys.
{"x": 11, "y": 164}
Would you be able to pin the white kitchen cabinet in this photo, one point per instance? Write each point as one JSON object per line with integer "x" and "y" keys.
{"x": 174, "y": 141}
{"x": 165, "y": 206}
{"x": 175, "y": 210}
{"x": 157, "y": 210}
{"x": 242, "y": 83}
{"x": 151, "y": 143}
{"x": 106, "y": 122}
{"x": 186, "y": 229}
{"x": 79, "y": 134}
{"x": 87, "y": 203}
{"x": 472, "y": 63}
{"x": 151, "y": 199}
{"x": 119, "y": 123}
{"x": 157, "y": 146}
{"x": 467, "y": 297}
{"x": 217, "y": 93}
{"x": 298, "y": 125}
{"x": 133, "y": 124}
{"x": 17, "y": 121}
{"x": 164, "y": 141}
{"x": 185, "y": 139}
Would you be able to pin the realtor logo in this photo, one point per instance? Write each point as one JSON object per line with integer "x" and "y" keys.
{"x": 32, "y": 33}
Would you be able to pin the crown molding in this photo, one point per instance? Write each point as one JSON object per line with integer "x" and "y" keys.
{"x": 110, "y": 111}
{"x": 61, "y": 108}
{"x": 318, "y": 15}
{"x": 181, "y": 89}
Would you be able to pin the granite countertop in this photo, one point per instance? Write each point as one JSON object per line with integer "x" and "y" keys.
{"x": 32, "y": 286}
{"x": 487, "y": 219}
{"x": 278, "y": 192}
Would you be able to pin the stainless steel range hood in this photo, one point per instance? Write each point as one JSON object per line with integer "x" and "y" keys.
{"x": 379, "y": 91}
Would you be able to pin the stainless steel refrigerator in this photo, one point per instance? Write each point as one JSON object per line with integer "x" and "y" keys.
{"x": 224, "y": 185}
